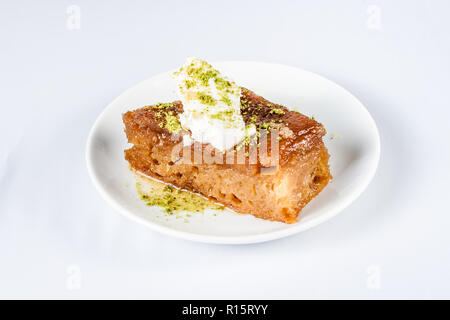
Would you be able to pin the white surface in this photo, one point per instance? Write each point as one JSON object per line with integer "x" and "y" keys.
{"x": 353, "y": 143}
{"x": 57, "y": 233}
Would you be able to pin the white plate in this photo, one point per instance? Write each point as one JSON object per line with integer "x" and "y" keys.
{"x": 352, "y": 140}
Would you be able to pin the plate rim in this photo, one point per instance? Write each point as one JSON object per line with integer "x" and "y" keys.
{"x": 247, "y": 239}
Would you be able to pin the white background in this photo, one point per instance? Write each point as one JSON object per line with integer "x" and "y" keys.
{"x": 59, "y": 239}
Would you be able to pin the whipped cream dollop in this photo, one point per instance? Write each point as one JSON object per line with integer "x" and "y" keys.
{"x": 211, "y": 104}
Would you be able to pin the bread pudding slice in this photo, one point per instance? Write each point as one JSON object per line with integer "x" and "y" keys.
{"x": 272, "y": 176}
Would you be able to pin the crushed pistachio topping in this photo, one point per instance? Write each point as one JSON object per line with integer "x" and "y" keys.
{"x": 206, "y": 98}
{"x": 226, "y": 99}
{"x": 162, "y": 105}
{"x": 189, "y": 84}
{"x": 205, "y": 76}
{"x": 225, "y": 116}
{"x": 206, "y": 83}
{"x": 172, "y": 123}
{"x": 250, "y": 138}
{"x": 173, "y": 200}
{"x": 253, "y": 118}
{"x": 276, "y": 111}
{"x": 203, "y": 73}
{"x": 211, "y": 105}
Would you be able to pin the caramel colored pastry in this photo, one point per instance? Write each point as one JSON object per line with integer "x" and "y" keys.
{"x": 274, "y": 184}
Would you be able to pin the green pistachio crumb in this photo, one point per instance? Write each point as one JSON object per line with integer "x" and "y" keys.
{"x": 206, "y": 98}
{"x": 222, "y": 115}
{"x": 277, "y": 111}
{"x": 226, "y": 100}
{"x": 171, "y": 199}
{"x": 189, "y": 84}
{"x": 253, "y": 118}
{"x": 162, "y": 105}
{"x": 172, "y": 123}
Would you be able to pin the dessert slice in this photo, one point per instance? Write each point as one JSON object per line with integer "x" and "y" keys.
{"x": 277, "y": 165}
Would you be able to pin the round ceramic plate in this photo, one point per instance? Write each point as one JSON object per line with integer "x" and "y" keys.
{"x": 352, "y": 140}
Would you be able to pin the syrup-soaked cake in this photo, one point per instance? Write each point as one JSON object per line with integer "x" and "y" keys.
{"x": 272, "y": 175}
